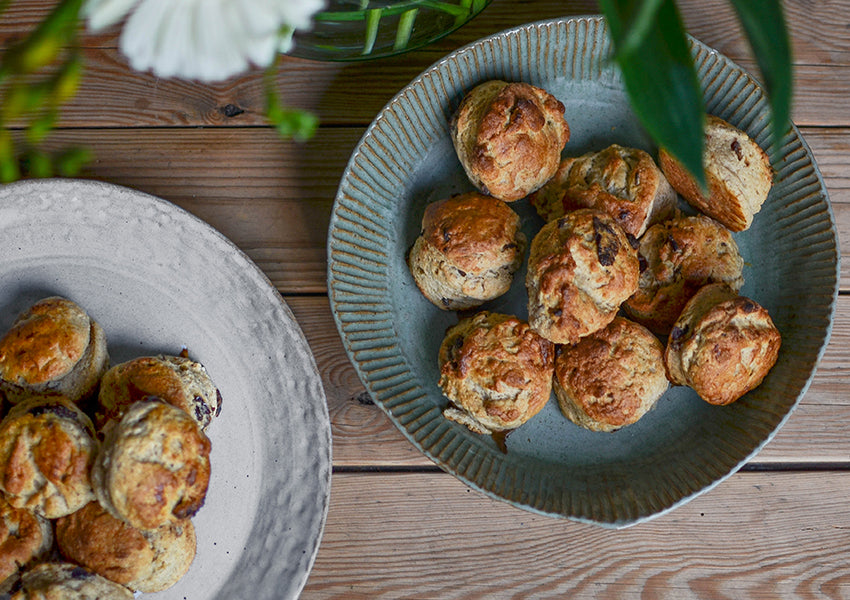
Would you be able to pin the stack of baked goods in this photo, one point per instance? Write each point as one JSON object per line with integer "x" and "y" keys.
{"x": 627, "y": 294}
{"x": 101, "y": 469}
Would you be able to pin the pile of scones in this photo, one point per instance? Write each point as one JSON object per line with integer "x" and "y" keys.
{"x": 626, "y": 293}
{"x": 102, "y": 466}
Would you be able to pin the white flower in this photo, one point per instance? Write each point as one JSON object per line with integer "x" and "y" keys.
{"x": 208, "y": 40}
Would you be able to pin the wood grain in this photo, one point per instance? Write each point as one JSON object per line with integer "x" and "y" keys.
{"x": 112, "y": 95}
{"x": 817, "y": 432}
{"x": 428, "y": 536}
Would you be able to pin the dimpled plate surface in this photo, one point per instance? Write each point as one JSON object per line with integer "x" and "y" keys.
{"x": 158, "y": 280}
{"x": 392, "y": 334}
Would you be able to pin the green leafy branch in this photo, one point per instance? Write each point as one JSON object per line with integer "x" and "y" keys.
{"x": 36, "y": 99}
{"x": 652, "y": 52}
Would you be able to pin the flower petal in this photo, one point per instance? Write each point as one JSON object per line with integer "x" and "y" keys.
{"x": 101, "y": 14}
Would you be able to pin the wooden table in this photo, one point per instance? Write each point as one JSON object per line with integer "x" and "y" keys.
{"x": 398, "y": 527}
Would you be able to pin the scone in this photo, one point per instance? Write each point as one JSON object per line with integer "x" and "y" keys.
{"x": 53, "y": 348}
{"x": 722, "y": 346}
{"x": 468, "y": 250}
{"x": 25, "y": 537}
{"x": 610, "y": 378}
{"x": 47, "y": 448}
{"x": 677, "y": 258}
{"x": 175, "y": 379}
{"x": 737, "y": 171}
{"x": 624, "y": 182}
{"x": 153, "y": 468}
{"x": 146, "y": 561}
{"x": 65, "y": 581}
{"x": 509, "y": 137}
{"x": 496, "y": 372}
{"x": 581, "y": 268}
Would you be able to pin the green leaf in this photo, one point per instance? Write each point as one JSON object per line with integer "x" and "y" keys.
{"x": 661, "y": 79}
{"x": 70, "y": 162}
{"x": 294, "y": 123}
{"x": 764, "y": 25}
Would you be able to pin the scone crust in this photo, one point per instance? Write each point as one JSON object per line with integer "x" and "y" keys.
{"x": 52, "y": 348}
{"x": 737, "y": 171}
{"x": 24, "y": 537}
{"x": 623, "y": 182}
{"x": 581, "y": 268}
{"x": 509, "y": 137}
{"x": 66, "y": 581}
{"x": 610, "y": 378}
{"x": 677, "y": 258}
{"x": 177, "y": 380}
{"x": 153, "y": 468}
{"x": 146, "y": 561}
{"x": 467, "y": 253}
{"x": 496, "y": 372}
{"x": 47, "y": 448}
{"x": 722, "y": 346}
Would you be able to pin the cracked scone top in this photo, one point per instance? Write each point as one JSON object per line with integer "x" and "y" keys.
{"x": 509, "y": 137}
{"x": 66, "y": 581}
{"x": 52, "y": 348}
{"x": 581, "y": 268}
{"x": 25, "y": 537}
{"x": 496, "y": 372}
{"x": 623, "y": 182}
{"x": 723, "y": 345}
{"x": 47, "y": 448}
{"x": 153, "y": 468}
{"x": 467, "y": 252}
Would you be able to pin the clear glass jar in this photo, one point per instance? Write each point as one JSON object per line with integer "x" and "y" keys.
{"x": 367, "y": 29}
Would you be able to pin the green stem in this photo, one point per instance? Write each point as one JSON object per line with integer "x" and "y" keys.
{"x": 396, "y": 9}
{"x": 372, "y": 20}
{"x": 405, "y": 28}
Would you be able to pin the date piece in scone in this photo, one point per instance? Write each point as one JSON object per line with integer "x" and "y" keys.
{"x": 153, "y": 468}
{"x": 177, "y": 380}
{"x": 25, "y": 537}
{"x": 143, "y": 560}
{"x": 496, "y": 372}
{"x": 53, "y": 348}
{"x": 623, "y": 182}
{"x": 677, "y": 258}
{"x": 47, "y": 448}
{"x": 581, "y": 268}
{"x": 468, "y": 250}
{"x": 737, "y": 171}
{"x": 66, "y": 581}
{"x": 509, "y": 137}
{"x": 722, "y": 346}
{"x": 610, "y": 378}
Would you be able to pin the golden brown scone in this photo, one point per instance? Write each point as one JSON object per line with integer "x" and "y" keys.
{"x": 496, "y": 372}
{"x": 145, "y": 561}
{"x": 153, "y": 468}
{"x": 65, "y": 581}
{"x": 581, "y": 268}
{"x": 175, "y": 379}
{"x": 53, "y": 348}
{"x": 624, "y": 182}
{"x": 468, "y": 251}
{"x": 47, "y": 448}
{"x": 610, "y": 378}
{"x": 737, "y": 171}
{"x": 25, "y": 537}
{"x": 722, "y": 346}
{"x": 677, "y": 258}
{"x": 509, "y": 137}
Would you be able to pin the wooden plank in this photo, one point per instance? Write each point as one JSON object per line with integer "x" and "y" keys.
{"x": 757, "y": 535}
{"x": 113, "y": 95}
{"x": 819, "y": 430}
{"x": 274, "y": 198}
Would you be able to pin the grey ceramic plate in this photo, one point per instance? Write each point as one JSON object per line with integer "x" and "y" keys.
{"x": 683, "y": 447}
{"x": 158, "y": 279}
